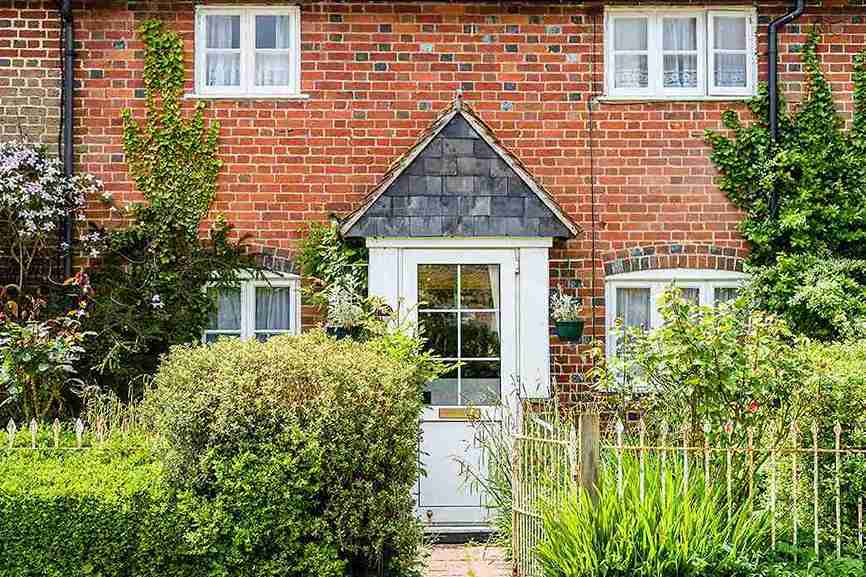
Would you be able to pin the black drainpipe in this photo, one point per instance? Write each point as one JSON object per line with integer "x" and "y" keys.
{"x": 67, "y": 70}
{"x": 773, "y": 81}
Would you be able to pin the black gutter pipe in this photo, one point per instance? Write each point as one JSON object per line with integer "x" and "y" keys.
{"x": 66, "y": 90}
{"x": 773, "y": 80}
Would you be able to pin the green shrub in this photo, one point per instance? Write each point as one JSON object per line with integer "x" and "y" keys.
{"x": 98, "y": 512}
{"x": 818, "y": 295}
{"x": 667, "y": 533}
{"x": 345, "y": 415}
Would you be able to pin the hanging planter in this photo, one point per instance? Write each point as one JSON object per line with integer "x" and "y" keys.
{"x": 566, "y": 311}
{"x": 571, "y": 331}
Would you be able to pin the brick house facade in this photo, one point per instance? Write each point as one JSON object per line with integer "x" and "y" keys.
{"x": 633, "y": 174}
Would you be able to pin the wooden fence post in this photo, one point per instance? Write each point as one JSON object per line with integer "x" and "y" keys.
{"x": 590, "y": 434}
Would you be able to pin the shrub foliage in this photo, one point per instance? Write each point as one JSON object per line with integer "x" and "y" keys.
{"x": 817, "y": 169}
{"x": 335, "y": 421}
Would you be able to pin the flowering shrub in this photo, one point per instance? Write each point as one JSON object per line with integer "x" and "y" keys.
{"x": 35, "y": 196}
{"x": 38, "y": 356}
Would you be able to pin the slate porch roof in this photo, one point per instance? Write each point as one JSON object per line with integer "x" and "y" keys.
{"x": 458, "y": 180}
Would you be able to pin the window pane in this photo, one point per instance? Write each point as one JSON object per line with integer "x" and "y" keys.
{"x": 632, "y": 71}
{"x": 272, "y": 31}
{"x": 730, "y": 70}
{"x": 440, "y": 330}
{"x": 729, "y": 32}
{"x": 691, "y": 294}
{"x": 273, "y": 308}
{"x": 227, "y": 317}
{"x": 223, "y": 31}
{"x": 223, "y": 69}
{"x": 272, "y": 69}
{"x": 437, "y": 286}
{"x": 726, "y": 294}
{"x": 633, "y": 306}
{"x": 630, "y": 34}
{"x": 443, "y": 391}
{"x": 680, "y": 34}
{"x": 479, "y": 383}
{"x": 479, "y": 286}
{"x": 681, "y": 71}
{"x": 479, "y": 335}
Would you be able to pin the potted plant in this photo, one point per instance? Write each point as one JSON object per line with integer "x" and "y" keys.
{"x": 566, "y": 310}
{"x": 346, "y": 312}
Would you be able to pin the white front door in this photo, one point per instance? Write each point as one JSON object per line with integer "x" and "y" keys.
{"x": 465, "y": 302}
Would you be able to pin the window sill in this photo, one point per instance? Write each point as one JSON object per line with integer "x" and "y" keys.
{"x": 650, "y": 99}
{"x": 196, "y": 96}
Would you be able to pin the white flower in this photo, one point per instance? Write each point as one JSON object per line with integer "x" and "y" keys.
{"x": 156, "y": 302}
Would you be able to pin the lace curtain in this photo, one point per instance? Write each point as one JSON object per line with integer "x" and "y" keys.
{"x": 272, "y": 50}
{"x": 630, "y": 39}
{"x": 730, "y": 51}
{"x": 680, "y": 45}
{"x": 223, "y": 50}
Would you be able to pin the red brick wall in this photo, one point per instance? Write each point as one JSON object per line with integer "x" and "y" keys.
{"x": 378, "y": 73}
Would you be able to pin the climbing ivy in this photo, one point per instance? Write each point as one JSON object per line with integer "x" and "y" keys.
{"x": 817, "y": 169}
{"x": 151, "y": 276}
{"x": 173, "y": 160}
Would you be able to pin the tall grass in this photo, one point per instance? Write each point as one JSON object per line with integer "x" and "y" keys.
{"x": 670, "y": 532}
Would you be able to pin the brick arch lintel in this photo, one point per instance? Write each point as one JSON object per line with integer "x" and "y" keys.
{"x": 674, "y": 255}
{"x": 274, "y": 260}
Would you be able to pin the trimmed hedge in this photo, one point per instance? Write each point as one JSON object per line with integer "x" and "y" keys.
{"x": 97, "y": 512}
{"x": 291, "y": 458}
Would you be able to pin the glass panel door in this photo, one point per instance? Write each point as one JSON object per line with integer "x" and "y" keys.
{"x": 458, "y": 312}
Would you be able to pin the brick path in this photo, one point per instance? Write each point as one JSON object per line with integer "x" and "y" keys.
{"x": 467, "y": 561}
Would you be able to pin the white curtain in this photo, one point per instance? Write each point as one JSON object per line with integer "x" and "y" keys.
{"x": 631, "y": 70}
{"x": 493, "y": 272}
{"x": 223, "y": 35}
{"x": 228, "y": 313}
{"x": 273, "y": 33}
{"x": 730, "y": 51}
{"x": 633, "y": 306}
{"x": 273, "y": 309}
{"x": 680, "y": 40}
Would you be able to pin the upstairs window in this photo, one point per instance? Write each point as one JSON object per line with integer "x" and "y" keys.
{"x": 256, "y": 309}
{"x": 680, "y": 53}
{"x": 250, "y": 51}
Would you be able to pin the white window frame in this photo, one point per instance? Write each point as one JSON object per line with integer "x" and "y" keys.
{"x": 248, "y": 288}
{"x": 247, "y": 87}
{"x": 658, "y": 281}
{"x": 706, "y": 88}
